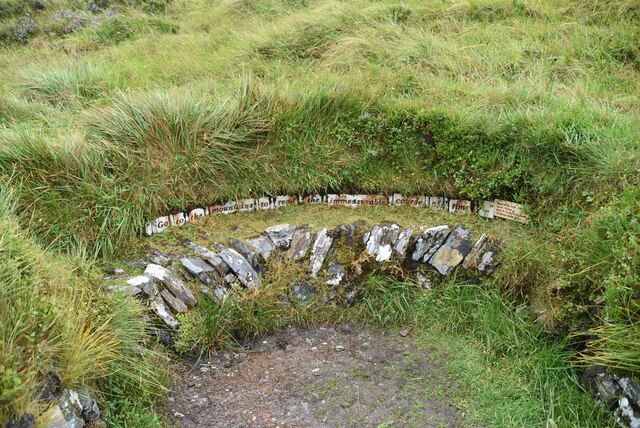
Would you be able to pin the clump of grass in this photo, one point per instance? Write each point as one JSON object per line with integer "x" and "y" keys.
{"x": 76, "y": 82}
{"x": 55, "y": 320}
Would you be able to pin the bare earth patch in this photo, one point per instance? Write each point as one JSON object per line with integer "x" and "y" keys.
{"x": 321, "y": 377}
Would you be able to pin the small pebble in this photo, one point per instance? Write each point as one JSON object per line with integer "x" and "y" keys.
{"x": 339, "y": 348}
{"x": 404, "y": 333}
{"x": 316, "y": 372}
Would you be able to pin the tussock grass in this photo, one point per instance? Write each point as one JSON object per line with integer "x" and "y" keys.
{"x": 54, "y": 320}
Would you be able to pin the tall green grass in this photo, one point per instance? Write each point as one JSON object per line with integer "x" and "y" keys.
{"x": 54, "y": 319}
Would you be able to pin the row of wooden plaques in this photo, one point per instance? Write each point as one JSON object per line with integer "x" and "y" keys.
{"x": 489, "y": 209}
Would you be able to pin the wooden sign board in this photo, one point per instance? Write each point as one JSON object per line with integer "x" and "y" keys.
{"x": 459, "y": 206}
{"x": 510, "y": 211}
{"x": 486, "y": 209}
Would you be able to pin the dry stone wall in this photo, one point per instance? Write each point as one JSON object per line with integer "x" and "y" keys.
{"x": 340, "y": 257}
{"x": 488, "y": 209}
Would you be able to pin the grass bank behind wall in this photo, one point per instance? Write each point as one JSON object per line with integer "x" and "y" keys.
{"x": 151, "y": 153}
{"x": 55, "y": 322}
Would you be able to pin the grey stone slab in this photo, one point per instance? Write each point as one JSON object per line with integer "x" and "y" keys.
{"x": 281, "y": 234}
{"x": 252, "y": 257}
{"x": 302, "y": 292}
{"x": 176, "y": 305}
{"x": 300, "y": 243}
{"x": 242, "y": 268}
{"x": 427, "y": 243}
{"x": 209, "y": 256}
{"x": 451, "y": 254}
{"x": 381, "y": 240}
{"x": 202, "y": 270}
{"x": 158, "y": 257}
{"x": 262, "y": 245}
{"x": 162, "y": 311}
{"x": 171, "y": 282}
{"x": 402, "y": 243}
{"x": 321, "y": 247}
{"x": 483, "y": 256}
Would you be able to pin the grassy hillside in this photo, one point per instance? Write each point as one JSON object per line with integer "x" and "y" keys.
{"x": 114, "y": 111}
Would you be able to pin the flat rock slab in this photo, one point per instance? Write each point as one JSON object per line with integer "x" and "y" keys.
{"x": 320, "y": 250}
{"x": 457, "y": 245}
{"x": 171, "y": 282}
{"x": 241, "y": 267}
{"x": 263, "y": 245}
{"x": 281, "y": 234}
{"x": 428, "y": 242}
{"x": 323, "y": 377}
{"x": 300, "y": 243}
{"x": 381, "y": 241}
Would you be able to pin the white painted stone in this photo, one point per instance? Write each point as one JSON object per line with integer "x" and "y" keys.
{"x": 197, "y": 214}
{"x": 246, "y": 205}
{"x": 459, "y": 206}
{"x": 486, "y": 210}
{"x": 228, "y": 208}
{"x": 158, "y": 225}
{"x": 320, "y": 249}
{"x": 314, "y": 199}
{"x": 179, "y": 219}
{"x": 264, "y": 204}
{"x": 439, "y": 204}
{"x": 283, "y": 201}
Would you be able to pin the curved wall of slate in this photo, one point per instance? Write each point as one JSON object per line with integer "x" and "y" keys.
{"x": 340, "y": 257}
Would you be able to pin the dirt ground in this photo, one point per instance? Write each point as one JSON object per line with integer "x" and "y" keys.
{"x": 345, "y": 376}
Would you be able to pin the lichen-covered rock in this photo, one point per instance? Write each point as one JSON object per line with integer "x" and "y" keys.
{"x": 171, "y": 282}
{"x": 455, "y": 248}
{"x": 427, "y": 243}
{"x": 241, "y": 267}
{"x": 162, "y": 311}
{"x": 483, "y": 256}
{"x": 27, "y": 420}
{"x": 300, "y": 243}
{"x": 402, "y": 243}
{"x": 262, "y": 245}
{"x": 202, "y": 270}
{"x": 248, "y": 253}
{"x": 335, "y": 273}
{"x": 381, "y": 240}
{"x": 281, "y": 234}
{"x": 209, "y": 256}
{"x": 302, "y": 292}
{"x": 320, "y": 250}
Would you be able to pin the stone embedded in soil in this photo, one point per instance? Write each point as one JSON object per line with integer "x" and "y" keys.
{"x": 248, "y": 253}
{"x": 262, "y": 245}
{"x": 428, "y": 242}
{"x": 162, "y": 311}
{"x": 335, "y": 273}
{"x": 320, "y": 250}
{"x": 281, "y": 234}
{"x": 402, "y": 243}
{"x": 483, "y": 256}
{"x": 300, "y": 243}
{"x": 457, "y": 245}
{"x": 238, "y": 264}
{"x": 201, "y": 270}
{"x": 303, "y": 291}
{"x": 381, "y": 240}
{"x": 171, "y": 282}
{"x": 209, "y": 256}
{"x": 158, "y": 257}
